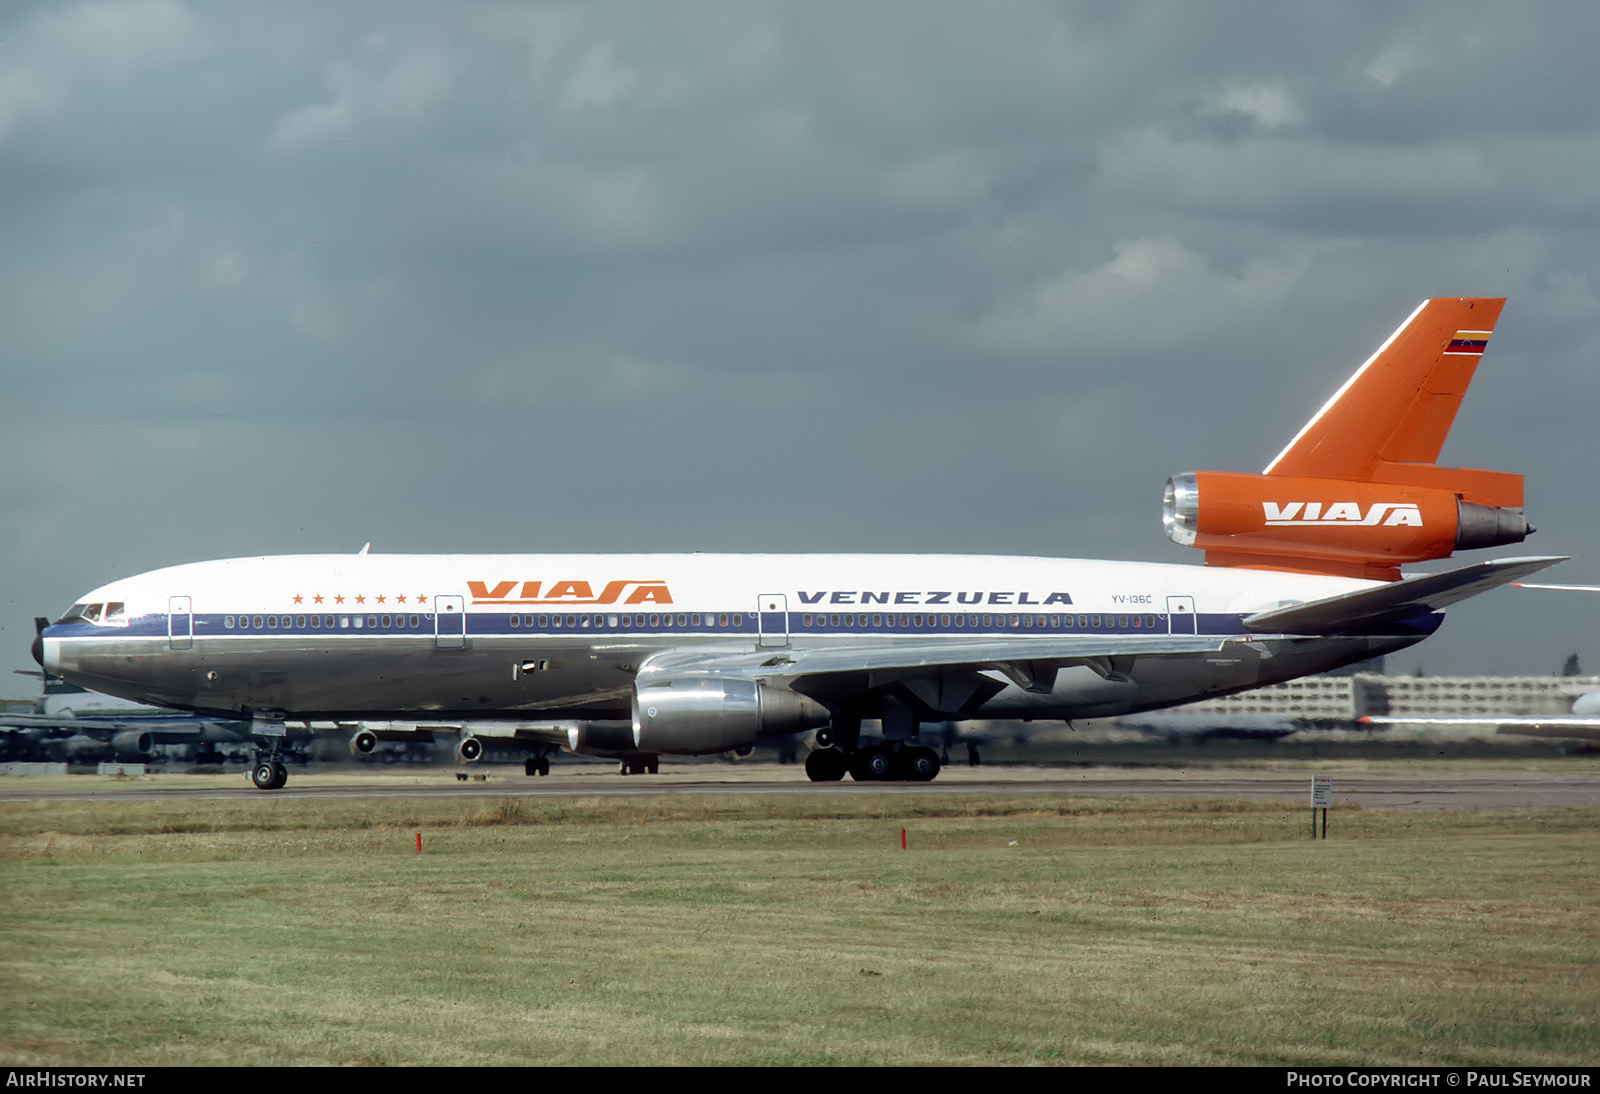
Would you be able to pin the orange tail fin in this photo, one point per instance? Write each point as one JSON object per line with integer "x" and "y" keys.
{"x": 1357, "y": 492}
{"x": 1389, "y": 421}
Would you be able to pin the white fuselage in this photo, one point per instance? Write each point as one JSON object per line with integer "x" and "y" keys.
{"x": 497, "y": 636}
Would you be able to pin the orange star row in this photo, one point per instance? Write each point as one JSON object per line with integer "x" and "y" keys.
{"x": 318, "y": 599}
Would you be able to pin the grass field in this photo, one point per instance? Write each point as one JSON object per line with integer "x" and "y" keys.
{"x": 793, "y": 931}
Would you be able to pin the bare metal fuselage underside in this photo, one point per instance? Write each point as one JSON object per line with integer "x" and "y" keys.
{"x": 545, "y": 677}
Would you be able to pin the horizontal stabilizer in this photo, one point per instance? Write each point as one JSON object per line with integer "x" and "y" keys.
{"x": 1366, "y": 609}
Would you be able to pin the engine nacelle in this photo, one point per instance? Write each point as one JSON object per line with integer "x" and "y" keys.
{"x": 1352, "y": 524}
{"x": 132, "y": 743}
{"x": 469, "y": 750}
{"x": 696, "y": 715}
{"x": 362, "y": 743}
{"x": 601, "y": 738}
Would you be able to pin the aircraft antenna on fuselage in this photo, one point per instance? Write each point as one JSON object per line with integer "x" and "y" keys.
{"x": 365, "y": 547}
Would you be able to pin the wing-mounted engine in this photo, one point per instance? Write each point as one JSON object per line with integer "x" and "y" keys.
{"x": 695, "y": 715}
{"x": 1358, "y": 491}
{"x": 1359, "y": 529}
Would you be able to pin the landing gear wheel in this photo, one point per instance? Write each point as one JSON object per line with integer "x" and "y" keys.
{"x": 269, "y": 775}
{"x": 530, "y": 767}
{"x": 922, "y": 765}
{"x": 872, "y": 765}
{"x": 544, "y": 765}
{"x": 826, "y": 765}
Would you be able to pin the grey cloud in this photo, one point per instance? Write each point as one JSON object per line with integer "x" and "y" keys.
{"x": 286, "y": 277}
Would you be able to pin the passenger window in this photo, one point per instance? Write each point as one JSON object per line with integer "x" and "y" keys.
{"x": 544, "y": 622}
{"x": 683, "y": 620}
{"x": 272, "y": 622}
{"x": 738, "y": 619}
{"x": 344, "y": 622}
{"x": 722, "y": 620}
{"x": 385, "y": 622}
{"x": 227, "y": 622}
{"x": 414, "y": 621}
{"x": 316, "y": 622}
{"x": 516, "y": 621}
{"x": 300, "y": 622}
{"x": 257, "y": 623}
{"x": 694, "y": 621}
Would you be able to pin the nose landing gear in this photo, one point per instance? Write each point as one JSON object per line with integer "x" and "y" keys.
{"x": 269, "y": 773}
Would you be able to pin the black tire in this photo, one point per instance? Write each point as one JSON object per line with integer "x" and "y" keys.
{"x": 922, "y": 765}
{"x": 544, "y": 765}
{"x": 264, "y": 775}
{"x": 826, "y": 765}
{"x": 872, "y": 765}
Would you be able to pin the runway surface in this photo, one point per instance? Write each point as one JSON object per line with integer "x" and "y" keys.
{"x": 1409, "y": 790}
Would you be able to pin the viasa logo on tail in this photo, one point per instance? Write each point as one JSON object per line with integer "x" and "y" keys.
{"x": 569, "y": 593}
{"x": 1341, "y": 513}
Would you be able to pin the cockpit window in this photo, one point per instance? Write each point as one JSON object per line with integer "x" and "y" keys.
{"x": 113, "y": 614}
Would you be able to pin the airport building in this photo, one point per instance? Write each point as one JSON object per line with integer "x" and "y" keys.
{"x": 1343, "y": 698}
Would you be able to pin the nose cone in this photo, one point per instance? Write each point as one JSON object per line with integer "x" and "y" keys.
{"x": 42, "y": 651}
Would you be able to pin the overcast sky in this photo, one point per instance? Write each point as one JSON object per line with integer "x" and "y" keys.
{"x": 946, "y": 277}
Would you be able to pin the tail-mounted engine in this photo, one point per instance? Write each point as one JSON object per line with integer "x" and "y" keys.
{"x": 1363, "y": 529}
{"x": 696, "y": 715}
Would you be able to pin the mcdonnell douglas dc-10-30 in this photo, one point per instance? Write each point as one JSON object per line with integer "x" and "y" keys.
{"x": 638, "y": 655}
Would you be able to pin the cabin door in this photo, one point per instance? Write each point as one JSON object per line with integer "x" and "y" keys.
{"x": 180, "y": 623}
{"x": 449, "y": 623}
{"x": 1180, "y": 615}
{"x": 772, "y": 616}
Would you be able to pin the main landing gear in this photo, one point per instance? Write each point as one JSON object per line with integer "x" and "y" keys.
{"x": 536, "y": 765}
{"x": 887, "y": 762}
{"x": 640, "y": 763}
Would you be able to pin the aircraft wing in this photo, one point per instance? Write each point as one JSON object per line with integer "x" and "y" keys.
{"x": 826, "y": 660}
{"x": 1370, "y": 610}
{"x": 164, "y": 730}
